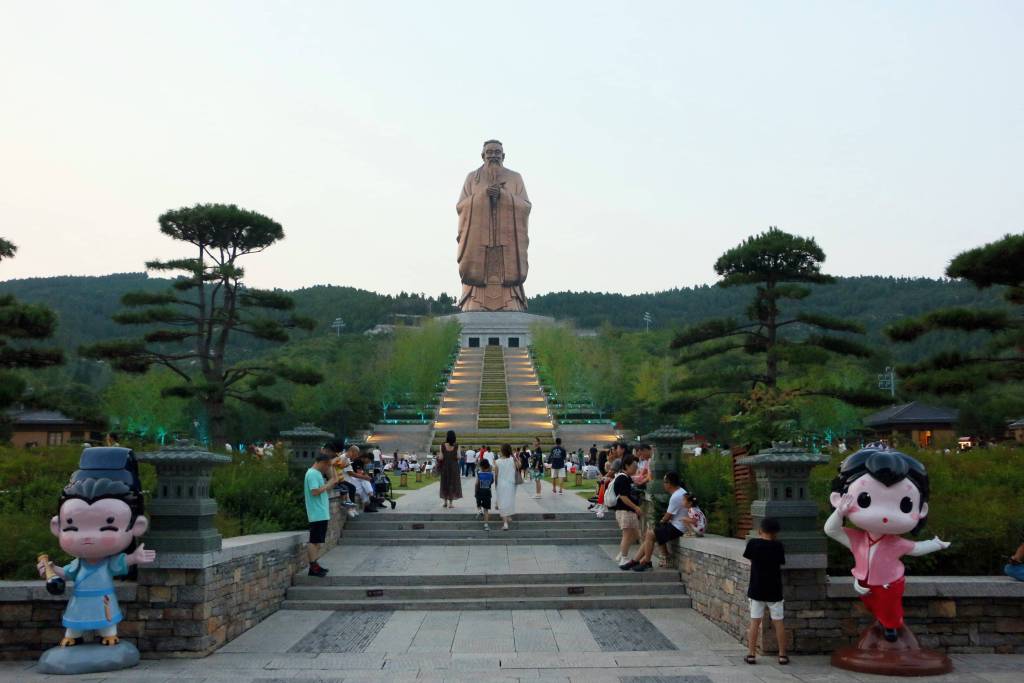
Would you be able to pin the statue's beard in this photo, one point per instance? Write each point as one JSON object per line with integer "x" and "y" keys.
{"x": 493, "y": 162}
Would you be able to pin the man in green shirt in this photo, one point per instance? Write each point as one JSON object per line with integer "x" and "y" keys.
{"x": 318, "y": 507}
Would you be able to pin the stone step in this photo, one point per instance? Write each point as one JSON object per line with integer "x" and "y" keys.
{"x": 431, "y": 535}
{"x": 397, "y": 516}
{"x": 658, "y": 576}
{"x": 496, "y": 537}
{"x": 384, "y": 525}
{"x": 518, "y": 603}
{"x": 540, "y": 589}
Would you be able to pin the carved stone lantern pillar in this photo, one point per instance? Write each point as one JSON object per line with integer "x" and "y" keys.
{"x": 668, "y": 448}
{"x": 182, "y": 511}
{"x": 783, "y": 475}
{"x": 303, "y": 444}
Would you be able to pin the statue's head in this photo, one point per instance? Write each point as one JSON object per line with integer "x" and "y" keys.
{"x": 97, "y": 518}
{"x": 493, "y": 153}
{"x": 890, "y": 489}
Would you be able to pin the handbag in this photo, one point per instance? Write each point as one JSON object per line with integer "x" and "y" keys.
{"x": 519, "y": 473}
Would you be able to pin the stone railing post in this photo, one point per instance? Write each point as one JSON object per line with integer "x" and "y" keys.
{"x": 182, "y": 511}
{"x": 667, "y": 445}
{"x": 783, "y": 475}
{"x": 303, "y": 444}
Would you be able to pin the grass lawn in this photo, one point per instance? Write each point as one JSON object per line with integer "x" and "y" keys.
{"x": 587, "y": 489}
{"x": 412, "y": 483}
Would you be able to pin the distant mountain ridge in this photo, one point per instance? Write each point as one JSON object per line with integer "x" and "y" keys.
{"x": 85, "y": 304}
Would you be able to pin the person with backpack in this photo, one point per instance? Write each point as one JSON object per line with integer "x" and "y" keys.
{"x": 627, "y": 511}
{"x": 484, "y": 482}
{"x": 557, "y": 459}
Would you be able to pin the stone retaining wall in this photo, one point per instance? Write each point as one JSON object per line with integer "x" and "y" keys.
{"x": 954, "y": 614}
{"x": 182, "y": 605}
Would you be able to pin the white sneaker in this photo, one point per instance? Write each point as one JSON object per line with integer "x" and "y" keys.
{"x": 479, "y": 514}
{"x": 487, "y": 527}
{"x": 600, "y": 514}
{"x": 618, "y": 558}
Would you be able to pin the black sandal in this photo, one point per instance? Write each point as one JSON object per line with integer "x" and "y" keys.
{"x": 750, "y": 659}
{"x": 783, "y": 660}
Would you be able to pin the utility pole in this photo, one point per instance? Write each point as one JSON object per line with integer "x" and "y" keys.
{"x": 338, "y": 325}
{"x": 647, "y": 321}
{"x": 887, "y": 381}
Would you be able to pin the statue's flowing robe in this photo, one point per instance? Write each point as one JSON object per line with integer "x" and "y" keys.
{"x": 496, "y": 273}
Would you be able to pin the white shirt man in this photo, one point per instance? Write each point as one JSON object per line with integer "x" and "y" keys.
{"x": 470, "y": 456}
{"x": 677, "y": 508}
{"x": 489, "y": 456}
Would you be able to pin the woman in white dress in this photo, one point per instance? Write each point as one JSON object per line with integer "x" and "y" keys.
{"x": 505, "y": 475}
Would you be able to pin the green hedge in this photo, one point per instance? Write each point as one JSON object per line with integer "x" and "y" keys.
{"x": 976, "y": 503}
{"x": 253, "y": 496}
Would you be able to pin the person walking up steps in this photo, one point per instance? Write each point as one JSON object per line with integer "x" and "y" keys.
{"x": 451, "y": 484}
{"x": 557, "y": 459}
{"x": 505, "y": 475}
{"x": 537, "y": 467}
{"x": 484, "y": 482}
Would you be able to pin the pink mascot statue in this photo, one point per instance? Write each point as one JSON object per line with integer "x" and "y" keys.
{"x": 885, "y": 494}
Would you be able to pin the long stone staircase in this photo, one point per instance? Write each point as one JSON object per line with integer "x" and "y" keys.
{"x": 494, "y": 397}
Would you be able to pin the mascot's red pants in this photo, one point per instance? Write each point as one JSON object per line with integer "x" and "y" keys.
{"x": 886, "y": 603}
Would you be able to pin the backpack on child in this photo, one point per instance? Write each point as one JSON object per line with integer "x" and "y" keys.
{"x": 611, "y": 498}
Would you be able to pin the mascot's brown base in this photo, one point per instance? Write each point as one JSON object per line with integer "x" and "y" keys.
{"x": 873, "y": 654}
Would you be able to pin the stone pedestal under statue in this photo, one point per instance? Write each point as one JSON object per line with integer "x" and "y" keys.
{"x": 508, "y": 329}
{"x": 873, "y": 654}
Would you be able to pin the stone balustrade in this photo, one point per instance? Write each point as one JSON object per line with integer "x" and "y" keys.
{"x": 954, "y": 614}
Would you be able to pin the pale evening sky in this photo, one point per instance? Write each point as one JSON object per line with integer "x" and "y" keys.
{"x": 652, "y": 136}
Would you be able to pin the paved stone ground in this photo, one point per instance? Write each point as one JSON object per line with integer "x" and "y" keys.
{"x": 427, "y": 499}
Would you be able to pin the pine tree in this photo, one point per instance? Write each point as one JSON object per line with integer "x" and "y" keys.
{"x": 189, "y": 328}
{"x": 20, "y": 323}
{"x": 1001, "y": 360}
{"x": 771, "y": 345}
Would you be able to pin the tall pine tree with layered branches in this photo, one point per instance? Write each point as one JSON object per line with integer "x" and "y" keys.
{"x": 21, "y": 325}
{"x": 776, "y": 355}
{"x": 1000, "y": 360}
{"x": 189, "y": 329}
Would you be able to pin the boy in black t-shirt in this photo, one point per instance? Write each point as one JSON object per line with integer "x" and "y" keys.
{"x": 766, "y": 556}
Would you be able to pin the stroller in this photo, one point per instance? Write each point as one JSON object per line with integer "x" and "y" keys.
{"x": 382, "y": 489}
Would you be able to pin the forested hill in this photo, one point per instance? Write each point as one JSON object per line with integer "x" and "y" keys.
{"x": 85, "y": 304}
{"x": 872, "y": 300}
